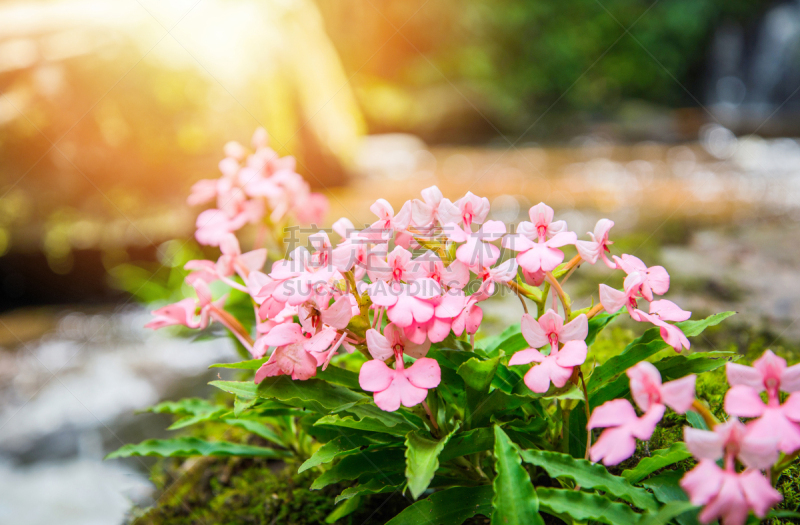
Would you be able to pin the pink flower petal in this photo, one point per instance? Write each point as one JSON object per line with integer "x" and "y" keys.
{"x": 378, "y": 346}
{"x": 679, "y": 394}
{"x": 284, "y": 334}
{"x": 575, "y": 330}
{"x": 612, "y": 413}
{"x": 523, "y": 357}
{"x": 744, "y": 401}
{"x": 759, "y": 493}
{"x": 375, "y": 376}
{"x": 614, "y": 446}
{"x": 572, "y": 354}
{"x": 424, "y": 373}
{"x": 533, "y": 332}
{"x": 703, "y": 482}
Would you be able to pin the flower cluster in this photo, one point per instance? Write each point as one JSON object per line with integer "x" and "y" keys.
{"x": 418, "y": 278}
{"x": 254, "y": 186}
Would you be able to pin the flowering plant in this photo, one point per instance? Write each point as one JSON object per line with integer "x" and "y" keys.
{"x": 367, "y": 365}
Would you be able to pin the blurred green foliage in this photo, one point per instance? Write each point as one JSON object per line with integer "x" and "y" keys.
{"x": 511, "y": 60}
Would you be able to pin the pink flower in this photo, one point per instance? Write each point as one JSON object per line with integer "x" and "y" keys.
{"x": 645, "y": 281}
{"x": 394, "y": 340}
{"x": 500, "y": 274}
{"x": 184, "y": 312}
{"x": 213, "y": 225}
{"x": 727, "y": 495}
{"x": 477, "y": 251}
{"x": 455, "y": 275}
{"x": 425, "y": 212}
{"x": 542, "y": 255}
{"x": 647, "y": 390}
{"x": 465, "y": 211}
{"x": 776, "y": 420}
{"x": 233, "y": 260}
{"x": 296, "y": 354}
{"x": 438, "y": 327}
{"x": 557, "y": 366}
{"x": 401, "y": 386}
{"x": 406, "y": 303}
{"x": 470, "y": 318}
{"x": 356, "y": 251}
{"x": 618, "y": 442}
{"x": 397, "y": 267}
{"x": 298, "y": 281}
{"x": 665, "y": 310}
{"x": 388, "y": 223}
{"x": 729, "y": 440}
{"x": 590, "y": 251}
{"x": 180, "y": 313}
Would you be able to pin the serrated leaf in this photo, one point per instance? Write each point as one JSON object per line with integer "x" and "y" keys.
{"x": 339, "y": 446}
{"x": 339, "y": 376}
{"x": 515, "y": 500}
{"x": 657, "y": 460}
{"x": 189, "y": 446}
{"x": 589, "y": 475}
{"x": 448, "y": 507}
{"x": 365, "y": 423}
{"x": 494, "y": 403}
{"x": 311, "y": 394}
{"x": 582, "y": 506}
{"x": 478, "y": 374}
{"x": 422, "y": 459}
{"x": 645, "y": 346}
{"x": 384, "y": 461}
{"x": 470, "y": 442}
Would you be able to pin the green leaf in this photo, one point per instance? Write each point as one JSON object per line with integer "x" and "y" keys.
{"x": 189, "y": 446}
{"x": 241, "y": 405}
{"x": 259, "y": 429}
{"x": 343, "y": 510}
{"x": 589, "y": 475}
{"x": 515, "y": 500}
{"x": 422, "y": 459}
{"x": 666, "y": 488}
{"x": 380, "y": 460}
{"x": 334, "y": 448}
{"x": 658, "y": 460}
{"x": 582, "y": 506}
{"x": 365, "y": 423}
{"x": 478, "y": 374}
{"x": 339, "y": 376}
{"x": 447, "y": 507}
{"x": 490, "y": 345}
{"x": 696, "y": 420}
{"x": 470, "y": 442}
{"x": 377, "y": 484}
{"x": 311, "y": 394}
{"x": 196, "y": 410}
{"x": 578, "y": 433}
{"x": 252, "y": 364}
{"x": 494, "y": 403}
{"x": 597, "y": 323}
{"x": 645, "y": 346}
{"x": 670, "y": 511}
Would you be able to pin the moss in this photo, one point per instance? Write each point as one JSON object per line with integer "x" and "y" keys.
{"x": 252, "y": 491}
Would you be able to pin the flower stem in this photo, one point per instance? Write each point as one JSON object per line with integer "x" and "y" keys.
{"x": 706, "y": 414}
{"x": 588, "y": 414}
{"x": 596, "y": 309}
{"x": 562, "y": 295}
{"x": 515, "y": 286}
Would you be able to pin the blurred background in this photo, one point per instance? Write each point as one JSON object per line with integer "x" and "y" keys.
{"x": 677, "y": 119}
